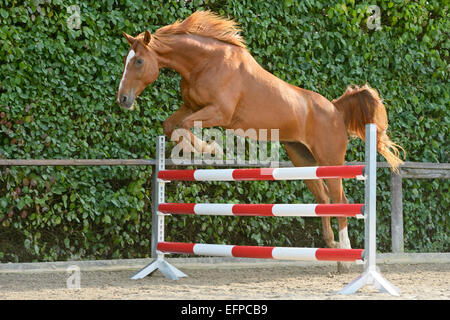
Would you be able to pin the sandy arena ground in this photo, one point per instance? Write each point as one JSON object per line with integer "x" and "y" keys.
{"x": 415, "y": 281}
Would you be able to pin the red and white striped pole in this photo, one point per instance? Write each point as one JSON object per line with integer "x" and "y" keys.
{"x": 277, "y": 253}
{"x": 298, "y": 173}
{"x": 276, "y": 210}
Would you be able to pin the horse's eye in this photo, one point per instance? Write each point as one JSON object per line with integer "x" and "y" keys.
{"x": 139, "y": 61}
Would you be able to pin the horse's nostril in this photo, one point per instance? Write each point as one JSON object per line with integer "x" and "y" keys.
{"x": 124, "y": 99}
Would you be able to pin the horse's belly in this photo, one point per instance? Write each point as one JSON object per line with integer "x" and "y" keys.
{"x": 267, "y": 125}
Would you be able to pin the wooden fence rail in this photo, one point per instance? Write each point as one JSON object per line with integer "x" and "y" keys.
{"x": 408, "y": 170}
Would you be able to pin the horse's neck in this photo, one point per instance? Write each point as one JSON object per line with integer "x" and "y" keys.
{"x": 182, "y": 54}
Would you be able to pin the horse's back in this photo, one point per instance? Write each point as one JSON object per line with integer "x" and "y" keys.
{"x": 267, "y": 98}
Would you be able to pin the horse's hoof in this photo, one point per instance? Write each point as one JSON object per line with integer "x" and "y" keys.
{"x": 214, "y": 149}
{"x": 343, "y": 267}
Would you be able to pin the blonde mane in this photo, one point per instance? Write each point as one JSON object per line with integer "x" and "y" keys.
{"x": 202, "y": 23}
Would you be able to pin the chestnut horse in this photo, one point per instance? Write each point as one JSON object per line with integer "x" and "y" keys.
{"x": 223, "y": 85}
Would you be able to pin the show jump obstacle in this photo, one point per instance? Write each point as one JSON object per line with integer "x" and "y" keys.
{"x": 367, "y": 211}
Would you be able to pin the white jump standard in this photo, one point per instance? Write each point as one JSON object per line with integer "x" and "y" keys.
{"x": 366, "y": 211}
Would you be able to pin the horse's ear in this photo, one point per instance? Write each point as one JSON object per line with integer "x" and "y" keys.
{"x": 129, "y": 38}
{"x": 147, "y": 37}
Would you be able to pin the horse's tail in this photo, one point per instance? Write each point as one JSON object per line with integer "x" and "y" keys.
{"x": 360, "y": 106}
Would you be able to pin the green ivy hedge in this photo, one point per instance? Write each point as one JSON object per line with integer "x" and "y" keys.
{"x": 57, "y": 100}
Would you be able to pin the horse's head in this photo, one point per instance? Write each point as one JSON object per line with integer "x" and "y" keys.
{"x": 140, "y": 69}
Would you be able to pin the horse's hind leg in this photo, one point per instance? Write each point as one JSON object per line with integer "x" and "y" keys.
{"x": 332, "y": 154}
{"x": 300, "y": 156}
{"x": 338, "y": 196}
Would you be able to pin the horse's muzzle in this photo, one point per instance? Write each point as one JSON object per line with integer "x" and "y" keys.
{"x": 125, "y": 101}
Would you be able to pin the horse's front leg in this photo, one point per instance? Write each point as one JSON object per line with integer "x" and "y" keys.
{"x": 171, "y": 122}
{"x": 209, "y": 116}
